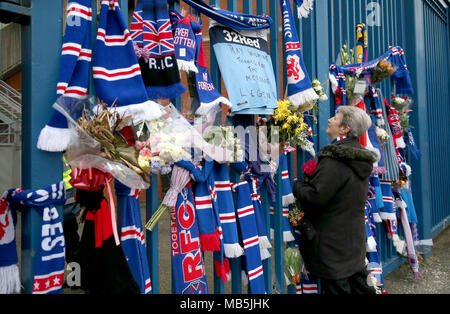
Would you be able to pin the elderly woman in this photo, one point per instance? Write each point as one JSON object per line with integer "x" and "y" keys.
{"x": 333, "y": 199}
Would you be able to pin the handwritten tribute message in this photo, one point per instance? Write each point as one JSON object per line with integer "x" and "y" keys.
{"x": 247, "y": 71}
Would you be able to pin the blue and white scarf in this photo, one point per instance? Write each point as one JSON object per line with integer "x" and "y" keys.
{"x": 48, "y": 274}
{"x": 73, "y": 81}
{"x": 184, "y": 33}
{"x": 250, "y": 239}
{"x": 223, "y": 200}
{"x": 9, "y": 272}
{"x": 116, "y": 71}
{"x": 187, "y": 259}
{"x": 299, "y": 86}
{"x": 264, "y": 242}
{"x": 132, "y": 235}
{"x": 231, "y": 19}
{"x": 402, "y": 79}
{"x": 287, "y": 199}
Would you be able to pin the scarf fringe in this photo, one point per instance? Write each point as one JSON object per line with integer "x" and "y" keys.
{"x": 399, "y": 245}
{"x": 165, "y": 92}
{"x": 205, "y": 108}
{"x": 210, "y": 242}
{"x": 223, "y": 270}
{"x": 371, "y": 245}
{"x": 146, "y": 111}
{"x": 376, "y": 217}
{"x": 288, "y": 236}
{"x": 9, "y": 279}
{"x": 264, "y": 242}
{"x": 304, "y": 100}
{"x": 265, "y": 254}
{"x": 233, "y": 250}
{"x": 288, "y": 200}
{"x": 187, "y": 66}
{"x": 53, "y": 139}
{"x": 305, "y": 9}
{"x": 388, "y": 216}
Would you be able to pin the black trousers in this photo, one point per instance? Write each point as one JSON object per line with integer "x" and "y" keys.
{"x": 356, "y": 284}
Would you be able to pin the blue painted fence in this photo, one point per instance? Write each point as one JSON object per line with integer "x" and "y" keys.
{"x": 421, "y": 27}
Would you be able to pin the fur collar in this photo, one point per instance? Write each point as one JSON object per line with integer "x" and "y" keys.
{"x": 348, "y": 149}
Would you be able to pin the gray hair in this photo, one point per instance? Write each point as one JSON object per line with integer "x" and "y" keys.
{"x": 356, "y": 119}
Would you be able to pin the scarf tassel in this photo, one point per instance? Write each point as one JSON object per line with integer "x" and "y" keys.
{"x": 53, "y": 139}
{"x": 205, "y": 108}
{"x": 9, "y": 279}
{"x": 187, "y": 66}
{"x": 223, "y": 270}
{"x": 305, "y": 8}
{"x": 306, "y": 99}
{"x": 210, "y": 242}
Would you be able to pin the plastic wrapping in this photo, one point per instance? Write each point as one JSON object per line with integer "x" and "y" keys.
{"x": 85, "y": 152}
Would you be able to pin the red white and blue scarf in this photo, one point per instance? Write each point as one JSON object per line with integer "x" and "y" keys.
{"x": 231, "y": 19}
{"x": 157, "y": 57}
{"x": 48, "y": 273}
{"x": 184, "y": 41}
{"x": 223, "y": 200}
{"x": 187, "y": 259}
{"x": 116, "y": 71}
{"x": 250, "y": 238}
{"x": 132, "y": 235}
{"x": 9, "y": 272}
{"x": 73, "y": 81}
{"x": 299, "y": 86}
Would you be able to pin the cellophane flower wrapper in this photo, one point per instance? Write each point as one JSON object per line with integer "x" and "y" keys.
{"x": 224, "y": 137}
{"x": 85, "y": 152}
{"x": 293, "y": 265}
{"x": 171, "y": 138}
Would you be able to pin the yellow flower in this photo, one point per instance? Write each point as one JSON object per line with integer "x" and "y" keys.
{"x": 286, "y": 126}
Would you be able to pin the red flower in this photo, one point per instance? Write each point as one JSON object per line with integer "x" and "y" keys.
{"x": 309, "y": 167}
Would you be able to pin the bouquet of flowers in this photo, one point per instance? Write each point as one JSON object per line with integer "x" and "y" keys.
{"x": 289, "y": 124}
{"x": 318, "y": 88}
{"x": 163, "y": 141}
{"x": 348, "y": 57}
{"x": 101, "y": 144}
{"x": 223, "y": 136}
{"x": 403, "y": 105}
{"x": 382, "y": 71}
{"x": 293, "y": 265}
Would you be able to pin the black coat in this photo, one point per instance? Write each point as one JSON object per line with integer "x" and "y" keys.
{"x": 334, "y": 201}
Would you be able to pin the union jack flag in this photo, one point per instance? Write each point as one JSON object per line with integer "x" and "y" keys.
{"x": 158, "y": 38}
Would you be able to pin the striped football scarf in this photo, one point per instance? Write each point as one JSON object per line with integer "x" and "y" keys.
{"x": 223, "y": 200}
{"x": 116, "y": 72}
{"x": 208, "y": 96}
{"x": 210, "y": 228}
{"x": 299, "y": 86}
{"x": 9, "y": 271}
{"x": 48, "y": 273}
{"x": 250, "y": 239}
{"x": 184, "y": 41}
{"x": 187, "y": 259}
{"x": 158, "y": 61}
{"x": 73, "y": 80}
{"x": 132, "y": 235}
{"x": 264, "y": 243}
{"x": 231, "y": 19}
